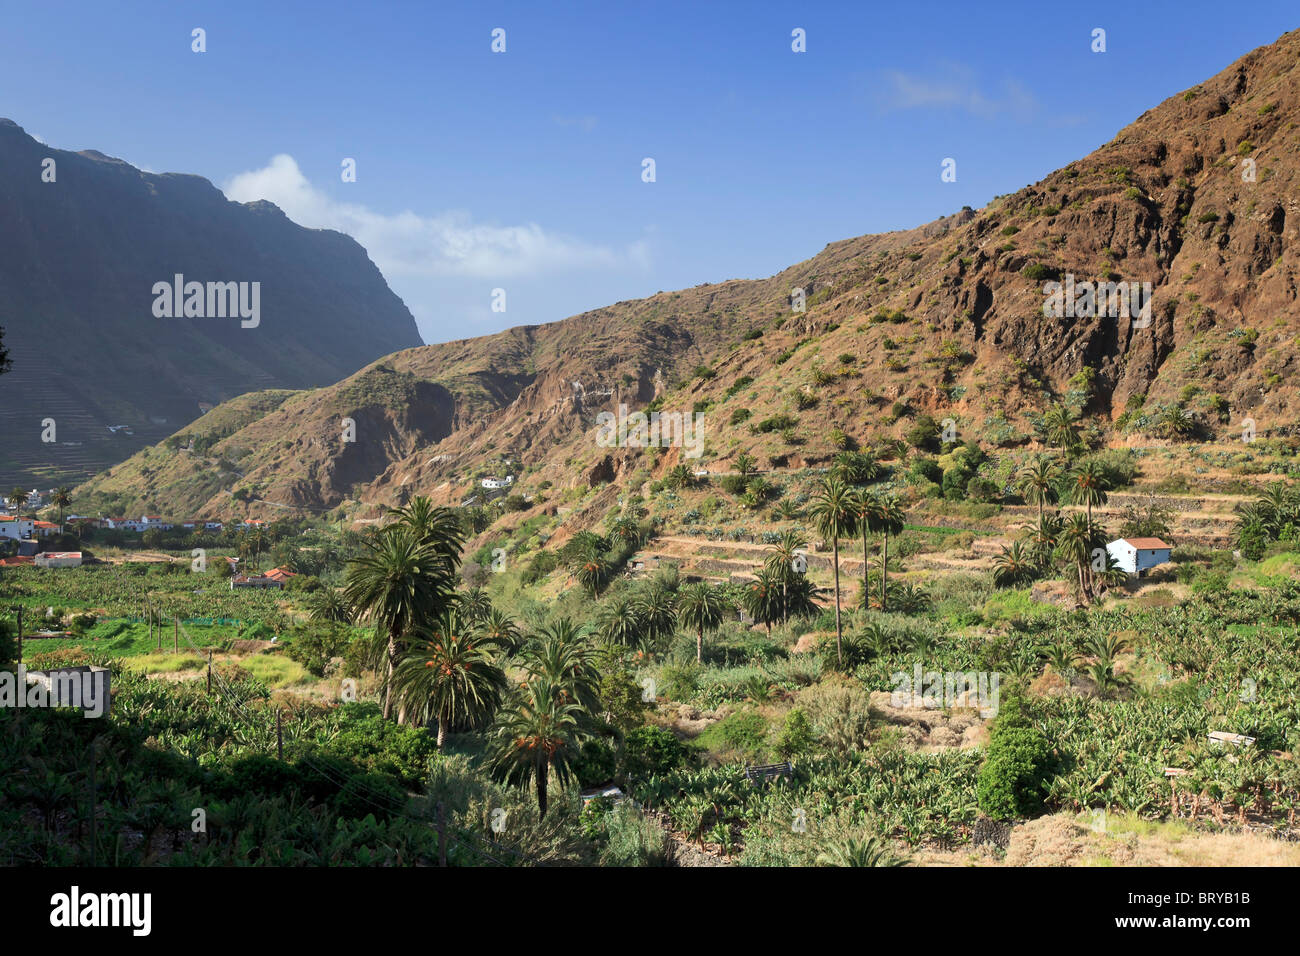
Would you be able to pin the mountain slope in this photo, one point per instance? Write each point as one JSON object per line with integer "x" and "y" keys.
{"x": 79, "y": 257}
{"x": 946, "y": 319}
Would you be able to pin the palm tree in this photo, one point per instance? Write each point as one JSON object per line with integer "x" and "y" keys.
{"x": 537, "y": 734}
{"x": 678, "y": 477}
{"x": 17, "y": 498}
{"x": 474, "y": 604}
{"x": 832, "y": 513}
{"x": 657, "y": 609}
{"x": 328, "y": 605}
{"x": 701, "y": 608}
{"x": 864, "y": 506}
{"x": 627, "y": 531}
{"x": 256, "y": 541}
{"x": 1089, "y": 485}
{"x": 440, "y": 528}
{"x": 782, "y": 560}
{"x": 449, "y": 674}
{"x": 619, "y": 621}
{"x": 872, "y": 851}
{"x": 745, "y": 464}
{"x": 561, "y": 656}
{"x": 886, "y": 517}
{"x": 1042, "y": 537}
{"x": 1037, "y": 481}
{"x": 61, "y": 499}
{"x": 801, "y": 596}
{"x": 1075, "y": 545}
{"x": 591, "y": 573}
{"x": 500, "y": 629}
{"x": 765, "y": 597}
{"x": 398, "y": 582}
{"x": 1013, "y": 566}
{"x": 1059, "y": 427}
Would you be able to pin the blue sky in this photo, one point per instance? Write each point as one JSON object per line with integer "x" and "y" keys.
{"x": 522, "y": 170}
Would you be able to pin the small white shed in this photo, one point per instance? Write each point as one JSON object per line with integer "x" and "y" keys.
{"x": 1137, "y": 555}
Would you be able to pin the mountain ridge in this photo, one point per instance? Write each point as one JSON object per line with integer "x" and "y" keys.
{"x": 944, "y": 319}
{"x": 86, "y": 238}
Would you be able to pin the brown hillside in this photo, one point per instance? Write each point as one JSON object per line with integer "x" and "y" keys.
{"x": 943, "y": 318}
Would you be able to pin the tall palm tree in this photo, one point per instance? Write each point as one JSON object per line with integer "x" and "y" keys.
{"x": 886, "y": 517}
{"x": 61, "y": 499}
{"x": 440, "y": 528}
{"x": 781, "y": 561}
{"x": 864, "y": 507}
{"x": 538, "y": 734}
{"x": 1075, "y": 545}
{"x": 833, "y": 515}
{"x": 657, "y": 608}
{"x": 561, "y": 656}
{"x": 328, "y": 605}
{"x": 1088, "y": 486}
{"x": 1042, "y": 537}
{"x": 397, "y": 582}
{"x": 503, "y": 631}
{"x": 701, "y": 608}
{"x": 449, "y": 674}
{"x": 765, "y": 597}
{"x": 619, "y": 621}
{"x": 1060, "y": 428}
{"x": 1037, "y": 481}
{"x": 256, "y": 542}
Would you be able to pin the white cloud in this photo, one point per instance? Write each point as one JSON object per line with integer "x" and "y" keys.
{"x": 585, "y": 123}
{"x": 955, "y": 86}
{"x": 447, "y": 244}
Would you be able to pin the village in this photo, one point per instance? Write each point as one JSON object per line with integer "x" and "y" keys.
{"x": 26, "y": 540}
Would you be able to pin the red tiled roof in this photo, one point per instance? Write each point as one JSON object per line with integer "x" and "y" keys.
{"x": 1148, "y": 544}
{"x": 20, "y": 559}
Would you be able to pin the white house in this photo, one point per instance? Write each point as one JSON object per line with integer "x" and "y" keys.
{"x": 17, "y": 528}
{"x": 492, "y": 483}
{"x": 58, "y": 559}
{"x": 1138, "y": 555}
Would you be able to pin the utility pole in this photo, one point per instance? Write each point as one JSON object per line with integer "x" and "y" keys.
{"x": 279, "y": 734}
{"x": 176, "y": 640}
{"x": 209, "y": 671}
{"x": 20, "y": 634}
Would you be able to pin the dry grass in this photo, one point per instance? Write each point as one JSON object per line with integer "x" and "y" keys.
{"x": 1065, "y": 839}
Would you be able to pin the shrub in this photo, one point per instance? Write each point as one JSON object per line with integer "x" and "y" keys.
{"x": 1037, "y": 271}
{"x": 596, "y": 764}
{"x": 651, "y": 751}
{"x": 370, "y": 793}
{"x": 1012, "y": 781}
{"x": 796, "y": 735}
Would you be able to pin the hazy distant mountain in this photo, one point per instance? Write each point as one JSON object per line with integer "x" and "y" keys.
{"x": 1197, "y": 197}
{"x": 79, "y": 258}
